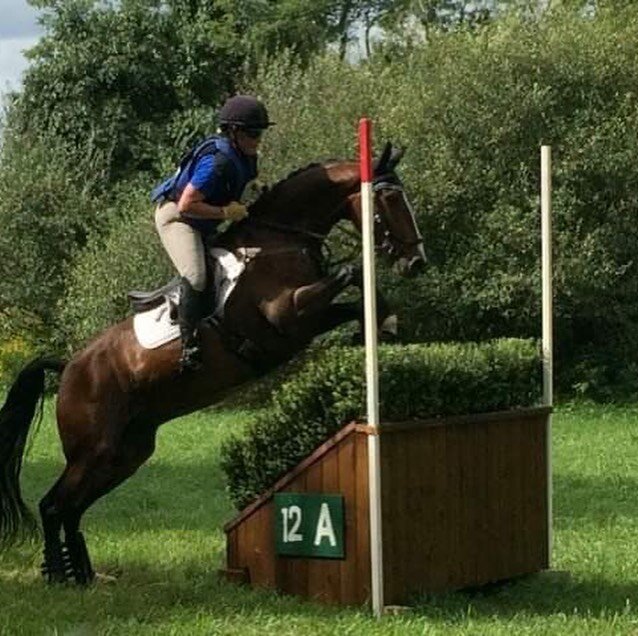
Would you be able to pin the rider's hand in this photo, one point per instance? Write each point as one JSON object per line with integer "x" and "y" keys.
{"x": 235, "y": 211}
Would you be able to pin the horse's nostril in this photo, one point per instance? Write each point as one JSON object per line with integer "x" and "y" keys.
{"x": 416, "y": 266}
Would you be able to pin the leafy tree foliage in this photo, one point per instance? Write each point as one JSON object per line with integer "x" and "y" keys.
{"x": 115, "y": 92}
{"x": 473, "y": 110}
{"x": 116, "y": 73}
{"x": 49, "y": 203}
{"x": 116, "y": 89}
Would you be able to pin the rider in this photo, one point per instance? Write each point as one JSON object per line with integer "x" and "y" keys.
{"x": 205, "y": 191}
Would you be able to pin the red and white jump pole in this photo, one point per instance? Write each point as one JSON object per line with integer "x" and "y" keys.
{"x": 372, "y": 371}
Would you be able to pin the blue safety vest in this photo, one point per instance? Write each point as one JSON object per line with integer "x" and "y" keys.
{"x": 234, "y": 170}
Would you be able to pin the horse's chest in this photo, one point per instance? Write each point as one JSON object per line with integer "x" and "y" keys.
{"x": 270, "y": 275}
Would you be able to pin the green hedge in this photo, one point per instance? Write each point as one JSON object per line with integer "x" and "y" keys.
{"x": 416, "y": 381}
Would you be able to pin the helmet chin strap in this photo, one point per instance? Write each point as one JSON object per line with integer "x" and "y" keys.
{"x": 233, "y": 138}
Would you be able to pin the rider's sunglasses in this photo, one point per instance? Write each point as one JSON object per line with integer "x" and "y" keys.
{"x": 253, "y": 133}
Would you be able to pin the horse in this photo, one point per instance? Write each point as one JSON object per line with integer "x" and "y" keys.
{"x": 114, "y": 394}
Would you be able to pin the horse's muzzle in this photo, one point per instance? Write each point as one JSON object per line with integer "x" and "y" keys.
{"x": 411, "y": 267}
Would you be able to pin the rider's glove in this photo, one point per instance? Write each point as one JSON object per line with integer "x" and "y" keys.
{"x": 235, "y": 211}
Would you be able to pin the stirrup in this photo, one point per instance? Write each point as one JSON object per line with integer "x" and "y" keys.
{"x": 191, "y": 359}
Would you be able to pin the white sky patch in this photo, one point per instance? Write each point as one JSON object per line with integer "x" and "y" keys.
{"x": 19, "y": 20}
{"x": 12, "y": 61}
{"x": 19, "y": 30}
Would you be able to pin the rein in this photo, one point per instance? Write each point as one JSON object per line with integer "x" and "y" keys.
{"x": 290, "y": 229}
{"x": 321, "y": 238}
{"x": 379, "y": 184}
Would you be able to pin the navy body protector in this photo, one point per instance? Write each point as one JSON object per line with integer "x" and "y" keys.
{"x": 166, "y": 190}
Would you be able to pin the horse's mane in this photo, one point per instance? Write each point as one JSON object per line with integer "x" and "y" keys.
{"x": 385, "y": 164}
{"x": 268, "y": 196}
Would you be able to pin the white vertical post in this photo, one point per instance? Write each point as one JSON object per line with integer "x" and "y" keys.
{"x": 372, "y": 373}
{"x": 548, "y": 326}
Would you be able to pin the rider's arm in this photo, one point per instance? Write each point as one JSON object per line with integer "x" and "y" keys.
{"x": 206, "y": 179}
{"x": 192, "y": 202}
{"x": 203, "y": 182}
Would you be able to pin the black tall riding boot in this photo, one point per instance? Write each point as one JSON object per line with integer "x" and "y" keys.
{"x": 189, "y": 315}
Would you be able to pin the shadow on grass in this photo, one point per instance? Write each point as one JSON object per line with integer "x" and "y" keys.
{"x": 541, "y": 595}
{"x": 145, "y": 595}
{"x": 593, "y": 498}
{"x": 149, "y": 594}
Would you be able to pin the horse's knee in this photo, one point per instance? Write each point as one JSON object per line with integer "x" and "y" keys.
{"x": 105, "y": 453}
{"x": 47, "y": 508}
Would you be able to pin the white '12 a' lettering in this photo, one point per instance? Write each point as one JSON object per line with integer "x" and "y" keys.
{"x": 291, "y": 515}
{"x": 324, "y": 527}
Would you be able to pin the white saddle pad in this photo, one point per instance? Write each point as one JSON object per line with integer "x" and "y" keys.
{"x": 157, "y": 326}
{"x": 228, "y": 269}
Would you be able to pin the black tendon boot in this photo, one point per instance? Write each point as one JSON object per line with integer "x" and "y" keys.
{"x": 79, "y": 558}
{"x": 189, "y": 315}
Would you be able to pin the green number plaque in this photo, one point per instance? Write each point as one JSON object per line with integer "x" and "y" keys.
{"x": 309, "y": 525}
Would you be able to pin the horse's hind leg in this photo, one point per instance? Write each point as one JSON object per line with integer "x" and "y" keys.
{"x": 55, "y": 565}
{"x": 84, "y": 481}
{"x": 78, "y": 555}
{"x": 68, "y": 560}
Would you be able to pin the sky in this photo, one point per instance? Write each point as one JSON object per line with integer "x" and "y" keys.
{"x": 19, "y": 30}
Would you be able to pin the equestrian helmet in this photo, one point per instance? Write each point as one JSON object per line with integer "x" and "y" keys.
{"x": 244, "y": 111}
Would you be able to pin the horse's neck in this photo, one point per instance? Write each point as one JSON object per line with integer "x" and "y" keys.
{"x": 316, "y": 203}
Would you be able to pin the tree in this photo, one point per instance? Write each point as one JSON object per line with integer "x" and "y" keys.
{"x": 116, "y": 73}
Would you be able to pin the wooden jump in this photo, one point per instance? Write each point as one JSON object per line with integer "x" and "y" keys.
{"x": 464, "y": 502}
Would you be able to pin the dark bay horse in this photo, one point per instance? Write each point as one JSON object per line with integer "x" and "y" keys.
{"x": 114, "y": 394}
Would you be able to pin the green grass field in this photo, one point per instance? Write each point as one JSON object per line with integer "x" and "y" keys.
{"x": 160, "y": 533}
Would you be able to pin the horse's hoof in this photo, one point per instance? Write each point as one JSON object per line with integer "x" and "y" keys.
{"x": 390, "y": 326}
{"x": 101, "y": 578}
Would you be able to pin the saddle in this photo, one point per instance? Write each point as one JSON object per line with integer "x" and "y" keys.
{"x": 144, "y": 300}
{"x": 223, "y": 269}
{"x": 155, "y": 320}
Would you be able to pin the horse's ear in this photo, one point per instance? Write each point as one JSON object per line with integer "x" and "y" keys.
{"x": 381, "y": 164}
{"x": 396, "y": 156}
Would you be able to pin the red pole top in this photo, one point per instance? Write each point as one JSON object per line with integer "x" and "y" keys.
{"x": 365, "y": 149}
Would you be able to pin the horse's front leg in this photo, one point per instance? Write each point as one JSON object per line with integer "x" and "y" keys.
{"x": 317, "y": 313}
{"x": 314, "y": 298}
{"x": 386, "y": 320}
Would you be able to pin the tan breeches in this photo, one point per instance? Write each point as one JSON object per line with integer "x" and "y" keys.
{"x": 182, "y": 243}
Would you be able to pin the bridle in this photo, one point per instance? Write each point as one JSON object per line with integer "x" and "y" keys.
{"x": 380, "y": 184}
{"x": 385, "y": 183}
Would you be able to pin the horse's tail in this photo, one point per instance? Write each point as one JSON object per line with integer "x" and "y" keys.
{"x": 15, "y": 420}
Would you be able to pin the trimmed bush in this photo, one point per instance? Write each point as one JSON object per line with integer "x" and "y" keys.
{"x": 416, "y": 381}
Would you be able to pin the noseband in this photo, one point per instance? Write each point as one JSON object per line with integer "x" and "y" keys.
{"x": 381, "y": 184}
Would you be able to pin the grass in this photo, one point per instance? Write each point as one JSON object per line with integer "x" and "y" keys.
{"x": 161, "y": 534}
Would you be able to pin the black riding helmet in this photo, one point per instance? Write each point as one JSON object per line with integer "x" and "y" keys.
{"x": 244, "y": 111}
